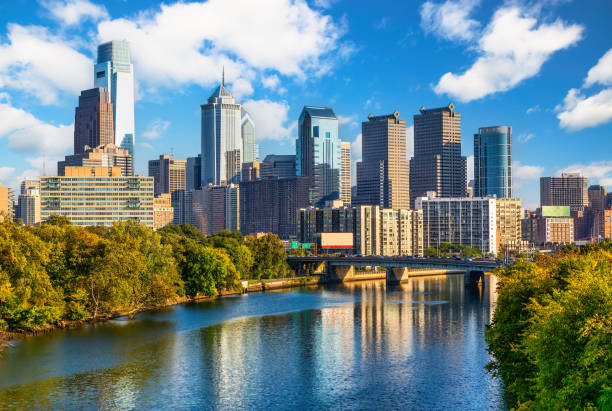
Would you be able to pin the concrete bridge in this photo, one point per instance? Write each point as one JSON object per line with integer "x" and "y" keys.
{"x": 399, "y": 268}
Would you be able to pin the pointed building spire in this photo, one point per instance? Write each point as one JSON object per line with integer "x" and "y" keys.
{"x": 223, "y": 76}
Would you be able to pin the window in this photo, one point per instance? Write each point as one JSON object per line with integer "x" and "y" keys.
{"x": 315, "y": 131}
{"x": 100, "y": 74}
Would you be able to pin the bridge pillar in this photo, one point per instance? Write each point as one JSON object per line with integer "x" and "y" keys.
{"x": 397, "y": 274}
{"x": 473, "y": 277}
{"x": 342, "y": 272}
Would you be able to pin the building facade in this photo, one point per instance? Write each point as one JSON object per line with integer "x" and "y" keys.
{"x": 7, "y": 204}
{"x": 221, "y": 138}
{"x": 437, "y": 164}
{"x": 508, "y": 214}
{"x": 169, "y": 174}
{"x": 493, "y": 162}
{"x": 114, "y": 72}
{"x": 345, "y": 172}
{"x": 278, "y": 166}
{"x": 463, "y": 221}
{"x": 97, "y": 196}
{"x": 216, "y": 208}
{"x": 318, "y": 153}
{"x": 382, "y": 174}
{"x": 108, "y": 155}
{"x": 250, "y": 150}
{"x": 193, "y": 173}
{"x": 163, "y": 212}
{"x": 251, "y": 171}
{"x": 571, "y": 189}
{"x": 28, "y": 206}
{"x": 93, "y": 120}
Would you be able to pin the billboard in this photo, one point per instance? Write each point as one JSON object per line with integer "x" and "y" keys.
{"x": 336, "y": 240}
{"x": 555, "y": 211}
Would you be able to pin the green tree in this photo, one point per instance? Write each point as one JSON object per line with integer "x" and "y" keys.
{"x": 269, "y": 257}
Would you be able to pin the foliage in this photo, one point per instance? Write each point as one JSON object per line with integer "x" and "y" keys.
{"x": 551, "y": 335}
{"x": 448, "y": 249}
{"x": 60, "y": 272}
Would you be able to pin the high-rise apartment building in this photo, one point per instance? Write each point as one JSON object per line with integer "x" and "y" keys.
{"x": 318, "y": 153}
{"x": 493, "y": 162}
{"x": 93, "y": 120}
{"x": 193, "y": 173}
{"x": 278, "y": 166}
{"x": 29, "y": 185}
{"x": 271, "y": 205}
{"x": 382, "y": 174}
{"x": 345, "y": 159}
{"x": 169, "y": 174}
{"x": 7, "y": 204}
{"x": 108, "y": 155}
{"x": 250, "y": 150}
{"x": 114, "y": 72}
{"x": 251, "y": 171}
{"x": 464, "y": 221}
{"x": 97, "y": 196}
{"x": 597, "y": 197}
{"x": 216, "y": 208}
{"x": 570, "y": 190}
{"x": 508, "y": 213}
{"x": 163, "y": 212}
{"x": 221, "y": 138}
{"x": 28, "y": 206}
{"x": 602, "y": 224}
{"x": 437, "y": 164}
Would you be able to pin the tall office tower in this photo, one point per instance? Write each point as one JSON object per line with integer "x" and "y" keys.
{"x": 278, "y": 166}
{"x": 93, "y": 120}
{"x": 345, "y": 159}
{"x": 97, "y": 196}
{"x": 597, "y": 198}
{"x": 108, "y": 155}
{"x": 437, "y": 164}
{"x": 318, "y": 153}
{"x": 493, "y": 162}
{"x": 568, "y": 190}
{"x": 169, "y": 174}
{"x": 115, "y": 72}
{"x": 193, "y": 173}
{"x": 250, "y": 150}
{"x": 382, "y": 174}
{"x": 221, "y": 138}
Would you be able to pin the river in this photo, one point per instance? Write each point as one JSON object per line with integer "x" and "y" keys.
{"x": 362, "y": 345}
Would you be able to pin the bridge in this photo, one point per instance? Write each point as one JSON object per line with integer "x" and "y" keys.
{"x": 399, "y": 268}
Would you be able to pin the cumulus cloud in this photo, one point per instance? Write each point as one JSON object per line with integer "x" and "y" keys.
{"x": 534, "y": 109}
{"x": 72, "y": 12}
{"x": 579, "y": 111}
{"x": 270, "y": 119}
{"x": 450, "y": 20}
{"x": 26, "y": 133}
{"x": 270, "y": 82}
{"x": 189, "y": 42}
{"x": 522, "y": 173}
{"x": 597, "y": 170}
{"x": 525, "y": 137}
{"x": 156, "y": 129}
{"x": 513, "y": 48}
{"x": 41, "y": 64}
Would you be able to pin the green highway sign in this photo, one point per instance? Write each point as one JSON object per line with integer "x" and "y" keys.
{"x": 295, "y": 244}
{"x": 306, "y": 245}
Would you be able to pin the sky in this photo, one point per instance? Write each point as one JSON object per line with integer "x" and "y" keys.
{"x": 542, "y": 67}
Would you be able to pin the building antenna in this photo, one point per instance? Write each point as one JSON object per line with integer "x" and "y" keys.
{"x": 44, "y": 161}
{"x": 172, "y": 152}
{"x": 223, "y": 76}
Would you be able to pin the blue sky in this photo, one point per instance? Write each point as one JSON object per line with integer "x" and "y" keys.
{"x": 543, "y": 67}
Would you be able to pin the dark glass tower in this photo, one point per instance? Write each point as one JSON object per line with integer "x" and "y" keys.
{"x": 493, "y": 162}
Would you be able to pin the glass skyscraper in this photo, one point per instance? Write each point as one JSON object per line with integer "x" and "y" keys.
{"x": 318, "y": 153}
{"x": 115, "y": 72}
{"x": 493, "y": 162}
{"x": 250, "y": 150}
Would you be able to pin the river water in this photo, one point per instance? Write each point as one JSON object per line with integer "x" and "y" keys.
{"x": 364, "y": 345}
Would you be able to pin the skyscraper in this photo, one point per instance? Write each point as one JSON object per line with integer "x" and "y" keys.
{"x": 169, "y": 174}
{"x": 278, "y": 166}
{"x": 437, "y": 164}
{"x": 193, "y": 173}
{"x": 318, "y": 153}
{"x": 115, "y": 72}
{"x": 221, "y": 138}
{"x": 493, "y": 162}
{"x": 382, "y": 174}
{"x": 345, "y": 158}
{"x": 93, "y": 120}
{"x": 570, "y": 190}
{"x": 250, "y": 150}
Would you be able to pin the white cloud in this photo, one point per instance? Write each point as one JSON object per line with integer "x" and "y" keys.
{"x": 5, "y": 173}
{"x": 578, "y": 111}
{"x": 189, "y": 42}
{"x": 270, "y": 119}
{"x": 71, "y": 12}
{"x": 156, "y": 129}
{"x": 450, "y": 20}
{"x": 41, "y": 64}
{"x": 270, "y": 82}
{"x": 351, "y": 120}
{"x": 601, "y": 73}
{"x": 525, "y": 137}
{"x": 522, "y": 173}
{"x": 512, "y": 49}
{"x": 27, "y": 133}
{"x": 241, "y": 88}
{"x": 534, "y": 109}
{"x": 596, "y": 170}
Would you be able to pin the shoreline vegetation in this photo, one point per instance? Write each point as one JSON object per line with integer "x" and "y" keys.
{"x": 59, "y": 275}
{"x": 551, "y": 334}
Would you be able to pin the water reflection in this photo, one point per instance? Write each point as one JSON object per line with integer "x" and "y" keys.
{"x": 360, "y": 345}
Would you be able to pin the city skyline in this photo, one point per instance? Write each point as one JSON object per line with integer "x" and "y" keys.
{"x": 546, "y": 103}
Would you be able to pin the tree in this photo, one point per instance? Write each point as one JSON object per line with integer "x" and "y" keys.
{"x": 269, "y": 257}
